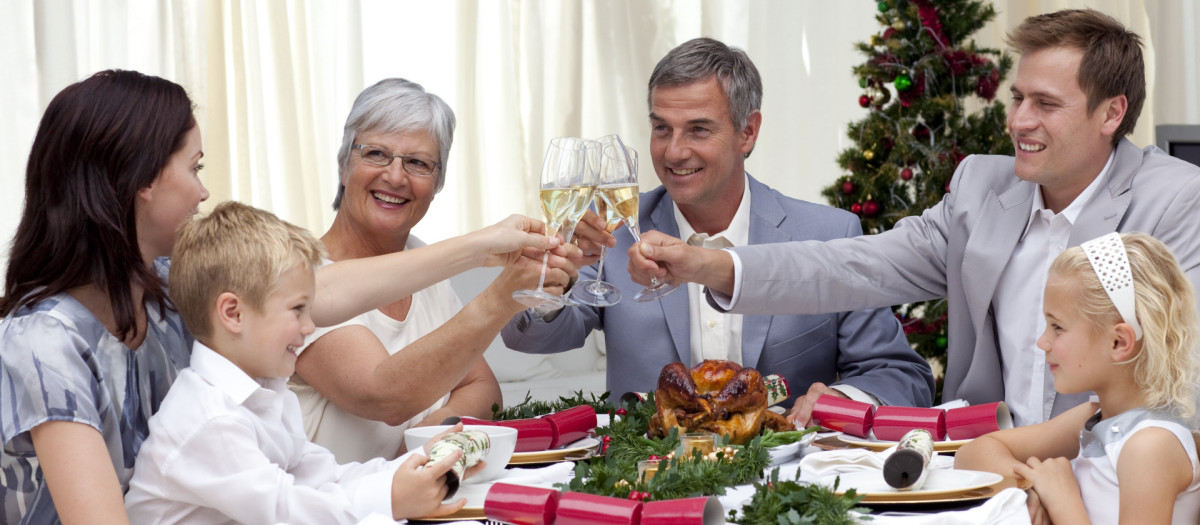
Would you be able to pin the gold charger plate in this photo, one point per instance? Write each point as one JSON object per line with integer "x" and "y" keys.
{"x": 877, "y": 444}
{"x": 465, "y": 513}
{"x": 979, "y": 486}
{"x": 555, "y": 455}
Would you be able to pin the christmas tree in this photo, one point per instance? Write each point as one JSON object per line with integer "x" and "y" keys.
{"x": 919, "y": 73}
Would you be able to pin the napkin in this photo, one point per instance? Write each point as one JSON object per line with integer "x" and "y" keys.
{"x": 540, "y": 477}
{"x": 827, "y": 462}
{"x": 1005, "y": 508}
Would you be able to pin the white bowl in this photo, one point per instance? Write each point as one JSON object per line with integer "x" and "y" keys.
{"x": 504, "y": 441}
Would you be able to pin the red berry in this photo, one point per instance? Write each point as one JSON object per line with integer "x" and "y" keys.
{"x": 607, "y": 438}
{"x": 652, "y": 457}
{"x": 620, "y": 411}
{"x": 635, "y": 495}
{"x": 645, "y": 495}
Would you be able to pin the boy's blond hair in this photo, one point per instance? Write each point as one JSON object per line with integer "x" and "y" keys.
{"x": 1165, "y": 369}
{"x": 239, "y": 249}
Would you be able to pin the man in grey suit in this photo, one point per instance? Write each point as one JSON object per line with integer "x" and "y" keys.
{"x": 704, "y": 109}
{"x": 987, "y": 245}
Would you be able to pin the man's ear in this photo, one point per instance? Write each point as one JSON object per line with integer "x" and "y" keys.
{"x": 1125, "y": 347}
{"x": 230, "y": 310}
{"x": 749, "y": 134}
{"x": 1114, "y": 112}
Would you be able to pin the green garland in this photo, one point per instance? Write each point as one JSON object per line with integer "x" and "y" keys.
{"x": 615, "y": 472}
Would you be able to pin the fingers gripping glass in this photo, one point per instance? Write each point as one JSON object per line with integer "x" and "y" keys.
{"x": 596, "y": 292}
{"x": 560, "y": 188}
{"x": 381, "y": 156}
{"x": 619, "y": 189}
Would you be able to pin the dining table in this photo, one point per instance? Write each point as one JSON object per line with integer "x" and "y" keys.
{"x": 949, "y": 497}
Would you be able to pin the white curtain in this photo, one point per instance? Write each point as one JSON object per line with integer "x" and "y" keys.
{"x": 273, "y": 81}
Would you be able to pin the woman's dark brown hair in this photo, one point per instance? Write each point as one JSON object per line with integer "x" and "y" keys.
{"x": 99, "y": 142}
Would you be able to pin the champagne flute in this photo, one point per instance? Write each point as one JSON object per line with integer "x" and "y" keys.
{"x": 597, "y": 292}
{"x": 562, "y": 167}
{"x": 619, "y": 189}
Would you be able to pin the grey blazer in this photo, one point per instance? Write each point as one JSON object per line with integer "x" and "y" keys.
{"x": 865, "y": 349}
{"x": 958, "y": 248}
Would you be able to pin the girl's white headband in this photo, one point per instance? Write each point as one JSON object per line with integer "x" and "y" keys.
{"x": 1107, "y": 255}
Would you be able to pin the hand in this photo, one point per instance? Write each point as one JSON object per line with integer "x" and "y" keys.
{"x": 502, "y": 243}
{"x": 1037, "y": 511}
{"x": 801, "y": 414}
{"x": 590, "y": 235}
{"x": 418, "y": 492}
{"x": 526, "y": 271}
{"x": 671, "y": 260}
{"x": 428, "y": 447}
{"x": 1052, "y": 479}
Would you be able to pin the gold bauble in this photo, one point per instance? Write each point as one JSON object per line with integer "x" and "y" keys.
{"x": 899, "y": 25}
{"x": 868, "y": 154}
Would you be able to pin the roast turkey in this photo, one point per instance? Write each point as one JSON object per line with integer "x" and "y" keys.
{"x": 717, "y": 396}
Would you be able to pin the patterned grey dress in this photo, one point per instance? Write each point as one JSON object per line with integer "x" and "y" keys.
{"x": 58, "y": 363}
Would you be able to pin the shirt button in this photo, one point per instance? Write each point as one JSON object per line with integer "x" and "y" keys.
{"x": 712, "y": 324}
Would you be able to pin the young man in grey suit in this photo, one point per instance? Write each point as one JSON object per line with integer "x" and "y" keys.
{"x": 704, "y": 102}
{"x": 987, "y": 245}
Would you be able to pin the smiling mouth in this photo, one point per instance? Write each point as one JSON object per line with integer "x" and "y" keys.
{"x": 688, "y": 171}
{"x": 1030, "y": 148}
{"x": 388, "y": 199}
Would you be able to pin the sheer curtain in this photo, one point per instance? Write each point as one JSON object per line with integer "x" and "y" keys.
{"x": 273, "y": 82}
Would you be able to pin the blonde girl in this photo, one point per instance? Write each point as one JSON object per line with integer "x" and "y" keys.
{"x": 1121, "y": 321}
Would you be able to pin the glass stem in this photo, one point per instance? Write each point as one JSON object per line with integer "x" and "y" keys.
{"x": 600, "y": 268}
{"x": 542, "y": 279}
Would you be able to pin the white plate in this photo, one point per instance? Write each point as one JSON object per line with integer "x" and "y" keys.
{"x": 476, "y": 494}
{"x": 879, "y": 444}
{"x": 939, "y": 482}
{"x": 554, "y": 455}
{"x": 784, "y": 453}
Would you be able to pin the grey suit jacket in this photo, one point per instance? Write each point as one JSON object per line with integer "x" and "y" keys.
{"x": 865, "y": 349}
{"x": 958, "y": 249}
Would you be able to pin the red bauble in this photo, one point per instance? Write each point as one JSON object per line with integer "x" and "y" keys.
{"x": 847, "y": 187}
{"x": 864, "y": 101}
{"x": 906, "y": 174}
{"x": 906, "y": 103}
{"x": 856, "y": 208}
{"x": 920, "y": 132}
{"x": 870, "y": 208}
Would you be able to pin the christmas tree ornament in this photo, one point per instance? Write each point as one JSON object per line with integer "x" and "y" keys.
{"x": 870, "y": 208}
{"x": 941, "y": 342}
{"x": 899, "y": 25}
{"x": 902, "y": 82}
{"x": 889, "y": 33}
{"x": 906, "y": 174}
{"x": 848, "y": 187}
{"x": 905, "y": 103}
{"x": 880, "y": 96}
{"x": 868, "y": 154}
{"x": 882, "y": 6}
{"x": 864, "y": 101}
{"x": 856, "y": 208}
{"x": 862, "y": 82}
{"x": 920, "y": 132}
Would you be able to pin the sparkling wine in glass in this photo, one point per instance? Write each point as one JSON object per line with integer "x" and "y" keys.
{"x": 558, "y": 191}
{"x": 619, "y": 188}
{"x": 597, "y": 292}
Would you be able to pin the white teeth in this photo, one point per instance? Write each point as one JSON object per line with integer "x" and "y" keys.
{"x": 387, "y": 199}
{"x": 291, "y": 348}
{"x": 685, "y": 172}
{"x": 1032, "y": 148}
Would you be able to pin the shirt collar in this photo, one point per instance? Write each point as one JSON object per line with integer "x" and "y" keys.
{"x": 220, "y": 372}
{"x": 1072, "y": 211}
{"x": 738, "y": 231}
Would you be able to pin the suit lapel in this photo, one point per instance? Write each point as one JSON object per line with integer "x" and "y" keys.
{"x": 765, "y": 217}
{"x": 1108, "y": 205}
{"x": 1001, "y": 222}
{"x": 674, "y": 307}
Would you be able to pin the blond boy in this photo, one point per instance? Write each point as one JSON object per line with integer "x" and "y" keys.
{"x": 227, "y": 445}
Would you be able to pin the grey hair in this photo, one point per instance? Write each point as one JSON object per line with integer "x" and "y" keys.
{"x": 700, "y": 58}
{"x": 396, "y": 105}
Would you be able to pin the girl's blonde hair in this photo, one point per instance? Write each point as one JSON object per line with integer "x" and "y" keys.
{"x": 1166, "y": 366}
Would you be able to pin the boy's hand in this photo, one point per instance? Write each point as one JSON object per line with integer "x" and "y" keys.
{"x": 418, "y": 492}
{"x": 428, "y": 446}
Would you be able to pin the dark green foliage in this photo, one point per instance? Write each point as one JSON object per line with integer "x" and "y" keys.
{"x": 790, "y": 502}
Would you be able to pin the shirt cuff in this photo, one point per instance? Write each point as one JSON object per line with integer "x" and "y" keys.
{"x": 727, "y": 302}
{"x": 856, "y": 394}
{"x": 373, "y": 493}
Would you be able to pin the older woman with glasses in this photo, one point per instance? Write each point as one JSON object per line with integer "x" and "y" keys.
{"x": 420, "y": 359}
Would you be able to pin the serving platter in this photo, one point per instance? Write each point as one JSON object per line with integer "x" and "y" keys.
{"x": 554, "y": 455}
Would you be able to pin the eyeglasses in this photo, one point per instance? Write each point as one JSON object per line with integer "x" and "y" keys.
{"x": 381, "y": 156}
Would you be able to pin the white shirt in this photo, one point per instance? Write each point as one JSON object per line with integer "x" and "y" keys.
{"x": 1017, "y": 304}
{"x": 352, "y": 438}
{"x": 715, "y": 334}
{"x": 225, "y": 448}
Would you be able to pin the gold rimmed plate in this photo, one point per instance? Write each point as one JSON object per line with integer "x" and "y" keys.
{"x": 476, "y": 494}
{"x": 941, "y": 486}
{"x": 879, "y": 444}
{"x": 564, "y": 453}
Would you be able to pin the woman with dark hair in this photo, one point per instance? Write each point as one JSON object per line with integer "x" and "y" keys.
{"x": 89, "y": 343}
